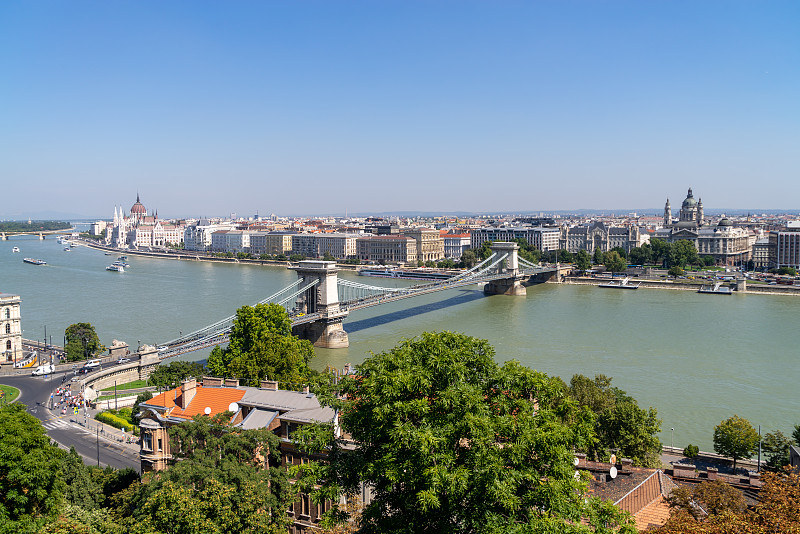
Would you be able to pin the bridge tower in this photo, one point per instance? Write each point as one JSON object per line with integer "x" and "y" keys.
{"x": 323, "y": 299}
{"x": 511, "y": 285}
{"x": 41, "y": 235}
{"x": 3, "y": 236}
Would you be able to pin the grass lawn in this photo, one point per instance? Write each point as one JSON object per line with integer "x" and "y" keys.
{"x": 10, "y": 393}
{"x": 130, "y": 385}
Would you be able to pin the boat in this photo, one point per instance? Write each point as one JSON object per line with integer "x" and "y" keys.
{"x": 15, "y": 249}
{"x": 123, "y": 258}
{"x": 34, "y": 261}
{"x": 716, "y": 289}
{"x": 115, "y": 268}
{"x": 121, "y": 263}
{"x": 109, "y": 253}
{"x": 408, "y": 274}
{"x": 621, "y": 284}
{"x": 67, "y": 249}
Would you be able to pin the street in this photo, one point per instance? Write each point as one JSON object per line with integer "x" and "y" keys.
{"x": 64, "y": 429}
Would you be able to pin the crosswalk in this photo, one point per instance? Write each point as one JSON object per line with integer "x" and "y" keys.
{"x": 54, "y": 424}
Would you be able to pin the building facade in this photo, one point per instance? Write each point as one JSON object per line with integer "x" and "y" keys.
{"x": 542, "y": 237}
{"x": 599, "y": 235}
{"x": 386, "y": 249}
{"x": 10, "y": 328}
{"x": 430, "y": 245}
{"x": 785, "y": 246}
{"x": 455, "y": 245}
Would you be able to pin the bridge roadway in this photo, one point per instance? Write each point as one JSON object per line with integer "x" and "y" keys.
{"x": 346, "y": 307}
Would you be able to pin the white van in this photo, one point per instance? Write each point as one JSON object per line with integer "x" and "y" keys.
{"x": 91, "y": 364}
{"x": 44, "y": 370}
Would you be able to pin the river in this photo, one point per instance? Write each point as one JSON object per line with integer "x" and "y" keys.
{"x": 697, "y": 358}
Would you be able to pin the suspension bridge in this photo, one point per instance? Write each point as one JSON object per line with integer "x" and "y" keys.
{"x": 319, "y": 301}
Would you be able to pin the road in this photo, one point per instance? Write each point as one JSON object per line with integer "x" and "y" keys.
{"x": 35, "y": 394}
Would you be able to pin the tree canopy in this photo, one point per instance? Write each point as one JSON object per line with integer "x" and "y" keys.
{"x": 614, "y": 262}
{"x": 262, "y": 346}
{"x": 168, "y": 376}
{"x": 82, "y": 342}
{"x": 451, "y": 442}
{"x": 736, "y": 438}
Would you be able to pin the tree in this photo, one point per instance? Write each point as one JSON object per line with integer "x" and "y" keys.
{"x": 614, "y": 262}
{"x": 682, "y": 252}
{"x": 582, "y": 260}
{"x": 469, "y": 259}
{"x": 82, "y": 342}
{"x": 796, "y": 435}
{"x": 31, "y": 485}
{"x": 328, "y": 256}
{"x": 236, "y": 480}
{"x": 621, "y": 251}
{"x": 641, "y": 255}
{"x": 262, "y": 346}
{"x": 715, "y": 497}
{"x": 168, "y": 376}
{"x": 660, "y": 250}
{"x": 736, "y": 438}
{"x": 620, "y": 424}
{"x": 451, "y": 442}
{"x": 776, "y": 448}
{"x": 675, "y": 271}
{"x": 598, "y": 258}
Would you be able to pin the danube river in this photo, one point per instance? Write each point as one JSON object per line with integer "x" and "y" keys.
{"x": 697, "y": 358}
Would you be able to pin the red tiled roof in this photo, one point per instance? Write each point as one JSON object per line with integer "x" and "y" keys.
{"x": 218, "y": 399}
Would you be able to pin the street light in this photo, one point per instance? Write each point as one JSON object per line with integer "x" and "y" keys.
{"x": 672, "y": 437}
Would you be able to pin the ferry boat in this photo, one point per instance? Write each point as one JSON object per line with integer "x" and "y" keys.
{"x": 621, "y": 284}
{"x": 34, "y": 261}
{"x": 121, "y": 263}
{"x": 116, "y": 268}
{"x": 408, "y": 274}
{"x": 123, "y": 258}
{"x": 15, "y": 249}
{"x": 716, "y": 289}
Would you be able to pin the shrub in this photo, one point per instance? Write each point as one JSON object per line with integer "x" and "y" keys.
{"x": 691, "y": 451}
{"x": 117, "y": 421}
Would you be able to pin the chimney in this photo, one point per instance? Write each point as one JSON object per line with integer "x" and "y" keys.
{"x": 231, "y": 383}
{"x": 305, "y": 390}
{"x": 712, "y": 473}
{"x": 581, "y": 459}
{"x": 271, "y": 385}
{"x": 210, "y": 381}
{"x": 188, "y": 389}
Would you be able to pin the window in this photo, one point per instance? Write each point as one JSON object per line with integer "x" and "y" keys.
{"x": 159, "y": 445}
{"x": 8, "y": 345}
{"x": 147, "y": 441}
{"x": 8, "y": 313}
{"x": 8, "y": 328}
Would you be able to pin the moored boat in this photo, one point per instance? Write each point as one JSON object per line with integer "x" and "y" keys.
{"x": 115, "y": 268}
{"x": 621, "y": 284}
{"x": 15, "y": 249}
{"x": 716, "y": 289}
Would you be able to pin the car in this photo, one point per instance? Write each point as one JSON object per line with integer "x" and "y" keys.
{"x": 91, "y": 364}
{"x": 44, "y": 370}
{"x": 123, "y": 360}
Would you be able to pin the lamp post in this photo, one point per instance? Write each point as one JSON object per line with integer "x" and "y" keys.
{"x": 672, "y": 437}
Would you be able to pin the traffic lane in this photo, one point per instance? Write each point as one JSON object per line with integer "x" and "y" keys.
{"x": 35, "y": 393}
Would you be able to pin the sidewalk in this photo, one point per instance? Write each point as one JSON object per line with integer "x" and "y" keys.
{"x": 704, "y": 460}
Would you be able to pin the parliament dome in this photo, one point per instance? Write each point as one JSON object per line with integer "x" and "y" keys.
{"x": 138, "y": 208}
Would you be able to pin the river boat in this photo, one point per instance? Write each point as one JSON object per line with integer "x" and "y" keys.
{"x": 67, "y": 249}
{"x": 115, "y": 268}
{"x": 407, "y": 274}
{"x": 109, "y": 253}
{"x": 121, "y": 263}
{"x": 123, "y": 258}
{"x": 15, "y": 249}
{"x": 33, "y": 261}
{"x": 716, "y": 289}
{"x": 621, "y": 284}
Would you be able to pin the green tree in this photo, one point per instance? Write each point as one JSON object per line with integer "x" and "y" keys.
{"x": 262, "y": 346}
{"x": 620, "y": 424}
{"x": 451, "y": 442}
{"x": 328, "y": 256}
{"x": 168, "y": 376}
{"x": 469, "y": 259}
{"x": 31, "y": 483}
{"x": 236, "y": 480}
{"x": 660, "y": 251}
{"x": 736, "y": 438}
{"x": 582, "y": 260}
{"x": 641, "y": 255}
{"x": 621, "y": 251}
{"x": 776, "y": 448}
{"x": 82, "y": 342}
{"x": 598, "y": 258}
{"x": 614, "y": 262}
{"x": 675, "y": 270}
{"x": 796, "y": 435}
{"x": 683, "y": 252}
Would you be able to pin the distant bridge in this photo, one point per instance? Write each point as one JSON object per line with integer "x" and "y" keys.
{"x": 319, "y": 301}
{"x": 41, "y": 233}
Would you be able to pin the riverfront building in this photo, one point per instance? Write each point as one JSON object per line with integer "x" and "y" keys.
{"x": 140, "y": 230}
{"x": 726, "y": 243}
{"x": 385, "y": 249}
{"x": 785, "y": 246}
{"x": 455, "y": 245}
{"x": 542, "y": 237}
{"x": 599, "y": 235}
{"x": 10, "y": 328}
{"x": 430, "y": 245}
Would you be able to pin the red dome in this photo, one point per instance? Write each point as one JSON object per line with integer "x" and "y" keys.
{"x": 138, "y": 208}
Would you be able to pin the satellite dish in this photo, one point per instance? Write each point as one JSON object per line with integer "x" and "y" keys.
{"x": 613, "y": 459}
{"x": 613, "y": 472}
{"x": 233, "y": 407}
{"x": 207, "y": 411}
{"x": 575, "y": 461}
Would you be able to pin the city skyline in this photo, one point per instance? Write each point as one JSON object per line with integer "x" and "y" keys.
{"x": 315, "y": 108}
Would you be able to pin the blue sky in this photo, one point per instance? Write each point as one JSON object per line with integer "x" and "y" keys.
{"x": 208, "y": 108}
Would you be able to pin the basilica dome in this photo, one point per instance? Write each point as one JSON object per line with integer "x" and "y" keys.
{"x": 689, "y": 202}
{"x": 725, "y": 222}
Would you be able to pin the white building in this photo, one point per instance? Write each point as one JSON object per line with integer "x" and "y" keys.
{"x": 542, "y": 237}
{"x": 10, "y": 328}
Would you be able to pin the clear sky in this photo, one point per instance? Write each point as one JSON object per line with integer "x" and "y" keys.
{"x": 317, "y": 107}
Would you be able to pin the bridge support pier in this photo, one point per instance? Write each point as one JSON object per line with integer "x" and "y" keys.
{"x": 326, "y": 332}
{"x": 513, "y": 284}
{"x": 3, "y": 237}
{"x": 41, "y": 236}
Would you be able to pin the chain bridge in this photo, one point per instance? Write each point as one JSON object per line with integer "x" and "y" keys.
{"x": 319, "y": 301}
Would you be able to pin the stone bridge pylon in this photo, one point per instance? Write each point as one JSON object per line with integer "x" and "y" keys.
{"x": 510, "y": 266}
{"x": 323, "y": 299}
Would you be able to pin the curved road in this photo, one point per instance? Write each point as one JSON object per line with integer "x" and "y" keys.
{"x": 35, "y": 393}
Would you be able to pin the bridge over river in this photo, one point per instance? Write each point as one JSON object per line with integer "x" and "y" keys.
{"x": 319, "y": 301}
